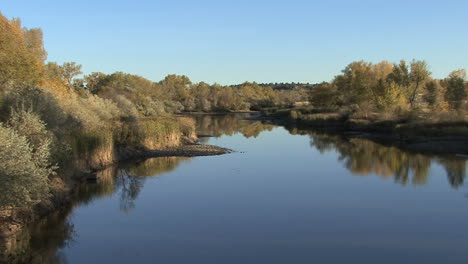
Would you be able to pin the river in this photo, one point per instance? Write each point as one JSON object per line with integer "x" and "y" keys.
{"x": 283, "y": 196}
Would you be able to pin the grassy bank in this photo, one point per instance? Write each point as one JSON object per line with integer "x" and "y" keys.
{"x": 427, "y": 131}
{"x": 86, "y": 152}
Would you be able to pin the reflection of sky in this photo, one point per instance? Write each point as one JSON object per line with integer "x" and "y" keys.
{"x": 277, "y": 200}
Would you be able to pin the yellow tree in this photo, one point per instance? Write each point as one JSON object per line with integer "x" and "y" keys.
{"x": 18, "y": 63}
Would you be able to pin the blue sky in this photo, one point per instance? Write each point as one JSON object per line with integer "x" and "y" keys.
{"x": 234, "y": 41}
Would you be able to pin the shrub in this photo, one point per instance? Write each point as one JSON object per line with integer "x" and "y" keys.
{"x": 40, "y": 102}
{"x": 91, "y": 112}
{"x": 187, "y": 126}
{"x": 126, "y": 107}
{"x": 149, "y": 107}
{"x": 24, "y": 171}
{"x": 28, "y": 124}
{"x": 173, "y": 107}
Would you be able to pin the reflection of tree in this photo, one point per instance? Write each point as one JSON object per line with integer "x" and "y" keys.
{"x": 229, "y": 124}
{"x": 155, "y": 166}
{"x": 456, "y": 171}
{"x": 130, "y": 180}
{"x": 104, "y": 186}
{"x": 363, "y": 156}
{"x": 57, "y": 232}
{"x": 322, "y": 143}
{"x": 41, "y": 243}
{"x": 130, "y": 187}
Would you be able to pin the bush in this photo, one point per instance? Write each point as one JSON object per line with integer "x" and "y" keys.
{"x": 173, "y": 107}
{"x": 24, "y": 171}
{"x": 127, "y": 108}
{"x": 28, "y": 124}
{"x": 187, "y": 126}
{"x": 91, "y": 112}
{"x": 149, "y": 107}
{"x": 40, "y": 102}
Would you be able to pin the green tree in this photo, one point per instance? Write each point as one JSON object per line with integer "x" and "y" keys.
{"x": 400, "y": 75}
{"x": 324, "y": 96}
{"x": 455, "y": 89}
{"x": 419, "y": 75}
{"x": 432, "y": 93}
{"x": 356, "y": 83}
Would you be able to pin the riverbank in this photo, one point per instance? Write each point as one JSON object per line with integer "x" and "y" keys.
{"x": 219, "y": 113}
{"x": 14, "y": 219}
{"x": 442, "y": 137}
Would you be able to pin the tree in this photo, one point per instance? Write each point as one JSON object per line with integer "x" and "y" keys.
{"x": 53, "y": 71}
{"x": 418, "y": 76}
{"x": 432, "y": 94}
{"x": 64, "y": 73}
{"x": 94, "y": 81}
{"x": 70, "y": 70}
{"x": 18, "y": 64}
{"x": 176, "y": 86}
{"x": 35, "y": 43}
{"x": 356, "y": 83}
{"x": 455, "y": 89}
{"x": 324, "y": 96}
{"x": 400, "y": 75}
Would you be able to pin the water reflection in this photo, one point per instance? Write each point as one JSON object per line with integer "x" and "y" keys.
{"x": 218, "y": 125}
{"x": 41, "y": 243}
{"x": 363, "y": 157}
{"x": 360, "y": 156}
{"x": 127, "y": 180}
{"x": 44, "y": 242}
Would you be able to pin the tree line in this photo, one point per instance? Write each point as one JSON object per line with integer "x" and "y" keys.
{"x": 396, "y": 88}
{"x": 177, "y": 93}
{"x": 51, "y": 115}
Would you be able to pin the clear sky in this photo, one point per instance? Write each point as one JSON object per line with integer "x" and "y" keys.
{"x": 234, "y": 41}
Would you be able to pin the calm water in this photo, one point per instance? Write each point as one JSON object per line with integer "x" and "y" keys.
{"x": 284, "y": 197}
